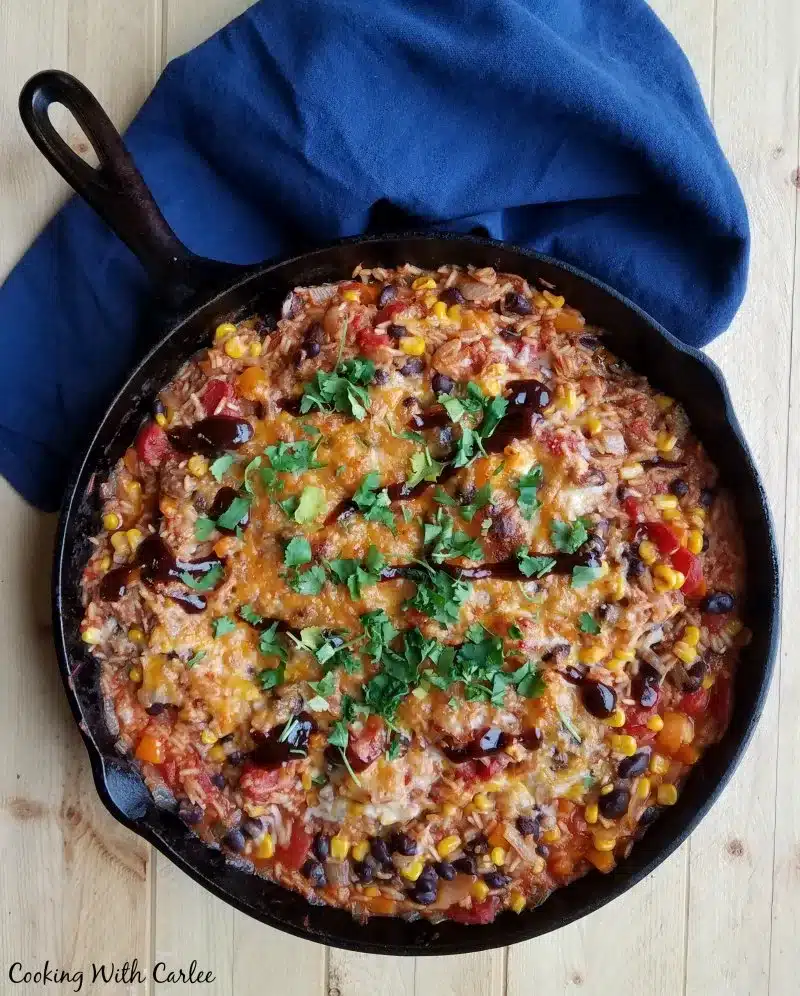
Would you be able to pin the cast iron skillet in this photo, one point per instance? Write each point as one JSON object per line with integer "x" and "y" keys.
{"x": 202, "y": 293}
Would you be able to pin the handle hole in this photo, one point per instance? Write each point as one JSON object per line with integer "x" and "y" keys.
{"x": 64, "y": 122}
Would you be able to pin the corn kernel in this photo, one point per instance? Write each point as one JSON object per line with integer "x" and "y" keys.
{"x": 111, "y": 521}
{"x": 667, "y": 795}
{"x": 604, "y": 843}
{"x": 498, "y": 856}
{"x": 691, "y": 635}
{"x": 684, "y": 652}
{"x": 593, "y": 425}
{"x": 412, "y": 871}
{"x": 440, "y": 310}
{"x": 424, "y": 283}
{"x": 605, "y": 789}
{"x": 447, "y": 845}
{"x": 479, "y": 890}
{"x": 664, "y": 402}
{"x": 355, "y": 809}
{"x": 208, "y": 737}
{"x": 708, "y": 681}
{"x": 648, "y": 552}
{"x": 625, "y": 655}
{"x": 255, "y": 349}
{"x": 340, "y": 847}
{"x": 567, "y": 399}
{"x": 643, "y": 788}
{"x": 266, "y": 847}
{"x": 233, "y": 347}
{"x": 671, "y": 514}
{"x": 429, "y": 300}
{"x": 666, "y": 442}
{"x": 306, "y": 781}
{"x": 552, "y": 835}
{"x": 360, "y": 849}
{"x": 659, "y": 764}
{"x": 630, "y": 470}
{"x": 665, "y": 501}
{"x": 134, "y": 537}
{"x": 135, "y": 674}
{"x": 591, "y": 812}
{"x": 449, "y": 809}
{"x": 517, "y": 901}
{"x": 482, "y": 802}
{"x": 623, "y": 744}
{"x": 197, "y": 465}
{"x": 694, "y": 542}
{"x": 665, "y": 573}
{"x": 105, "y": 563}
{"x": 217, "y": 753}
{"x": 454, "y": 312}
{"x": 655, "y": 723}
{"x": 591, "y": 655}
{"x": 161, "y": 420}
{"x": 120, "y": 542}
{"x": 616, "y": 719}
{"x": 225, "y": 329}
{"x": 91, "y": 635}
{"x": 135, "y": 635}
{"x": 540, "y": 300}
{"x": 372, "y": 891}
{"x": 412, "y": 345}
{"x": 351, "y": 295}
{"x": 554, "y": 300}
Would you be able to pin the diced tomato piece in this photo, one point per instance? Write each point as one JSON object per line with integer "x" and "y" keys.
{"x": 371, "y": 339}
{"x": 664, "y": 536}
{"x": 490, "y": 766}
{"x": 214, "y": 393}
{"x": 721, "y": 699}
{"x": 483, "y": 912}
{"x": 387, "y": 314}
{"x": 152, "y": 444}
{"x": 689, "y": 565}
{"x": 296, "y": 851}
{"x": 259, "y": 783}
{"x": 636, "y": 723}
{"x": 368, "y": 745}
{"x": 695, "y": 703}
{"x": 630, "y": 506}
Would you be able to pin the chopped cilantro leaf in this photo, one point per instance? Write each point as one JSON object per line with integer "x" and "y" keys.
{"x": 528, "y": 485}
{"x": 372, "y": 502}
{"x": 222, "y": 625}
{"x": 271, "y": 677}
{"x": 380, "y": 632}
{"x": 234, "y": 513}
{"x": 339, "y": 735}
{"x": 568, "y": 537}
{"x": 357, "y": 575}
{"x": 250, "y": 615}
{"x": 221, "y": 466}
{"x": 439, "y": 595}
{"x": 297, "y": 552}
{"x": 293, "y": 458}
{"x": 325, "y": 686}
{"x": 514, "y": 632}
{"x": 483, "y": 497}
{"x": 289, "y": 505}
{"x": 583, "y": 576}
{"x": 423, "y": 468}
{"x": 443, "y": 498}
{"x": 408, "y": 515}
{"x": 528, "y": 681}
{"x": 208, "y": 581}
{"x": 342, "y": 390}
{"x": 196, "y": 658}
{"x": 351, "y": 709}
{"x": 270, "y": 644}
{"x": 310, "y": 582}
{"x": 395, "y": 746}
{"x": 536, "y": 566}
{"x": 447, "y": 542}
{"x": 569, "y": 727}
{"x": 254, "y": 464}
{"x": 588, "y": 624}
{"x": 452, "y": 406}
{"x": 272, "y": 483}
{"x": 310, "y": 506}
{"x": 203, "y": 528}
{"x": 310, "y": 430}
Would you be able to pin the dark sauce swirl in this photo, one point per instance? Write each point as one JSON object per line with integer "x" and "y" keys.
{"x": 213, "y": 435}
{"x": 284, "y": 743}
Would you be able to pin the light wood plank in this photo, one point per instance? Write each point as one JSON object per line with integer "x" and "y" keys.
{"x": 190, "y": 22}
{"x": 578, "y": 956}
{"x": 69, "y": 856}
{"x": 755, "y": 100}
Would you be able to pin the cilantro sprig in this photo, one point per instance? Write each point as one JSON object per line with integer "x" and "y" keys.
{"x": 528, "y": 486}
{"x": 568, "y": 537}
{"x": 536, "y": 566}
{"x": 356, "y": 574}
{"x": 343, "y": 390}
{"x": 373, "y": 502}
{"x": 446, "y": 542}
{"x": 439, "y": 595}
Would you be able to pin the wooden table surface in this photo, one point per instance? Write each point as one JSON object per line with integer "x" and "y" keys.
{"x": 720, "y": 916}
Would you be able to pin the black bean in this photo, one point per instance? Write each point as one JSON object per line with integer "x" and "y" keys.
{"x": 467, "y": 865}
{"x": 635, "y": 567}
{"x": 314, "y": 872}
{"x": 649, "y": 816}
{"x": 718, "y": 603}
{"x": 190, "y": 812}
{"x": 234, "y": 839}
{"x": 402, "y": 843}
{"x": 396, "y": 331}
{"x": 218, "y": 781}
{"x": 705, "y": 542}
{"x": 706, "y": 498}
{"x": 543, "y": 850}
{"x": 589, "y": 341}
{"x": 380, "y": 851}
{"x": 518, "y": 304}
{"x": 321, "y": 846}
{"x": 442, "y": 384}
{"x": 451, "y": 296}
{"x": 413, "y": 367}
{"x": 574, "y": 674}
{"x": 423, "y": 897}
{"x": 365, "y": 870}
{"x": 427, "y": 880}
{"x": 445, "y": 870}
{"x": 312, "y": 349}
{"x": 679, "y": 487}
{"x": 615, "y": 803}
{"x": 528, "y": 826}
{"x": 387, "y": 295}
{"x": 496, "y": 880}
{"x": 599, "y": 699}
{"x": 637, "y": 764}
{"x": 235, "y": 758}
{"x": 252, "y": 828}
{"x": 694, "y": 676}
{"x": 380, "y": 376}
{"x": 478, "y": 845}
{"x": 156, "y": 708}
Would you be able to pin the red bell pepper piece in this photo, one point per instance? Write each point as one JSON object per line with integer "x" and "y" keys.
{"x": 695, "y": 703}
{"x": 483, "y": 912}
{"x": 630, "y": 506}
{"x": 689, "y": 565}
{"x": 296, "y": 851}
{"x": 152, "y": 444}
{"x": 215, "y": 392}
{"x": 664, "y": 536}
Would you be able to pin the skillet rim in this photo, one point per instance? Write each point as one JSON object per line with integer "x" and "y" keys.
{"x": 476, "y": 938}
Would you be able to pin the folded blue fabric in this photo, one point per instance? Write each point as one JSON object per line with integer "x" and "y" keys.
{"x": 572, "y": 126}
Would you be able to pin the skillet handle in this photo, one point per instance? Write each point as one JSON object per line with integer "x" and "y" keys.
{"x": 115, "y": 189}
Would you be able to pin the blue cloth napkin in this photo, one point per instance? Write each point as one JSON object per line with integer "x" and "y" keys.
{"x": 572, "y": 126}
